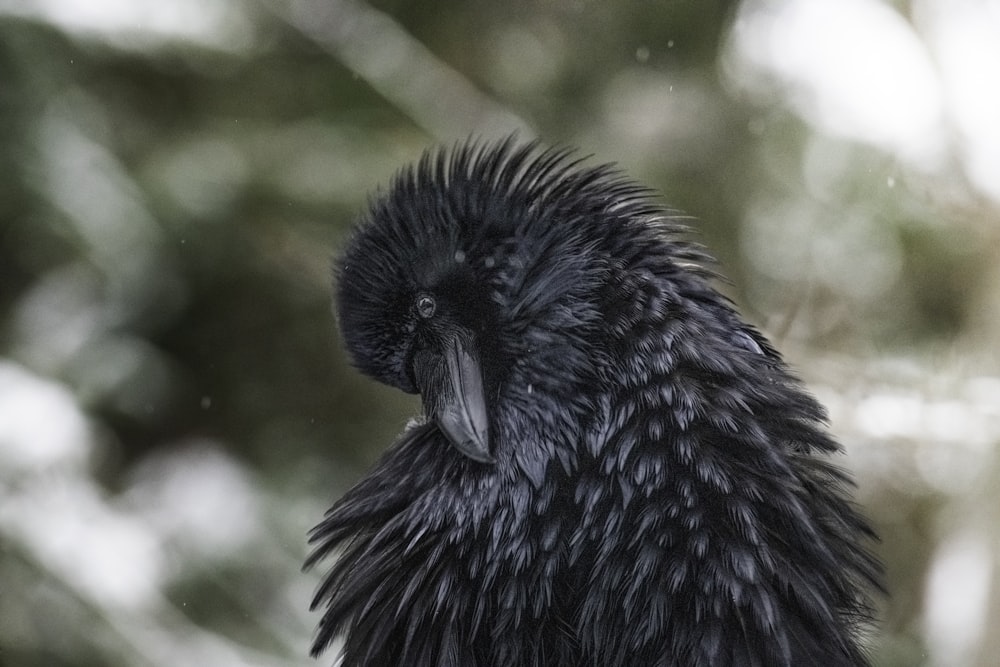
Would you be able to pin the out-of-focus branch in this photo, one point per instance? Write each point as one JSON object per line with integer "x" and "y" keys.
{"x": 399, "y": 67}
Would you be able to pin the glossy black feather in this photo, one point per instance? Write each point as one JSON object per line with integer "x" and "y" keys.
{"x": 660, "y": 493}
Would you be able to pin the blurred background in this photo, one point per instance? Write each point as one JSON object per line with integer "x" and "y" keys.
{"x": 175, "y": 408}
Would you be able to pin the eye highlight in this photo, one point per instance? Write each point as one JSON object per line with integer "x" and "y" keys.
{"x": 426, "y": 306}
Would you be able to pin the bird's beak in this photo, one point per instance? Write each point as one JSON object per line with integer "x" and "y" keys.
{"x": 451, "y": 386}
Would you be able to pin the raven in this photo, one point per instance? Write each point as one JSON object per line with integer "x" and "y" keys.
{"x": 612, "y": 469}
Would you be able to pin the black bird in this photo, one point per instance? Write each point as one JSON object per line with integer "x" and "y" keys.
{"x": 613, "y": 469}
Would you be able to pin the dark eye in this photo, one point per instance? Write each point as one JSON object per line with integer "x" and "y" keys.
{"x": 426, "y": 306}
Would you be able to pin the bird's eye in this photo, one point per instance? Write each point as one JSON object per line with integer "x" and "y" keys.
{"x": 426, "y": 306}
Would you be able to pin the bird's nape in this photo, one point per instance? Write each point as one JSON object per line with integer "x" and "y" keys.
{"x": 612, "y": 468}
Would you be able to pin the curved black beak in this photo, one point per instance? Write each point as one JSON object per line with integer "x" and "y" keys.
{"x": 451, "y": 385}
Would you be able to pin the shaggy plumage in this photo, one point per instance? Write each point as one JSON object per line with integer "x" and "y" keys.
{"x": 613, "y": 468}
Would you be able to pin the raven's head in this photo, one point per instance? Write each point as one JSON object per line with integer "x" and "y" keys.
{"x": 484, "y": 269}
